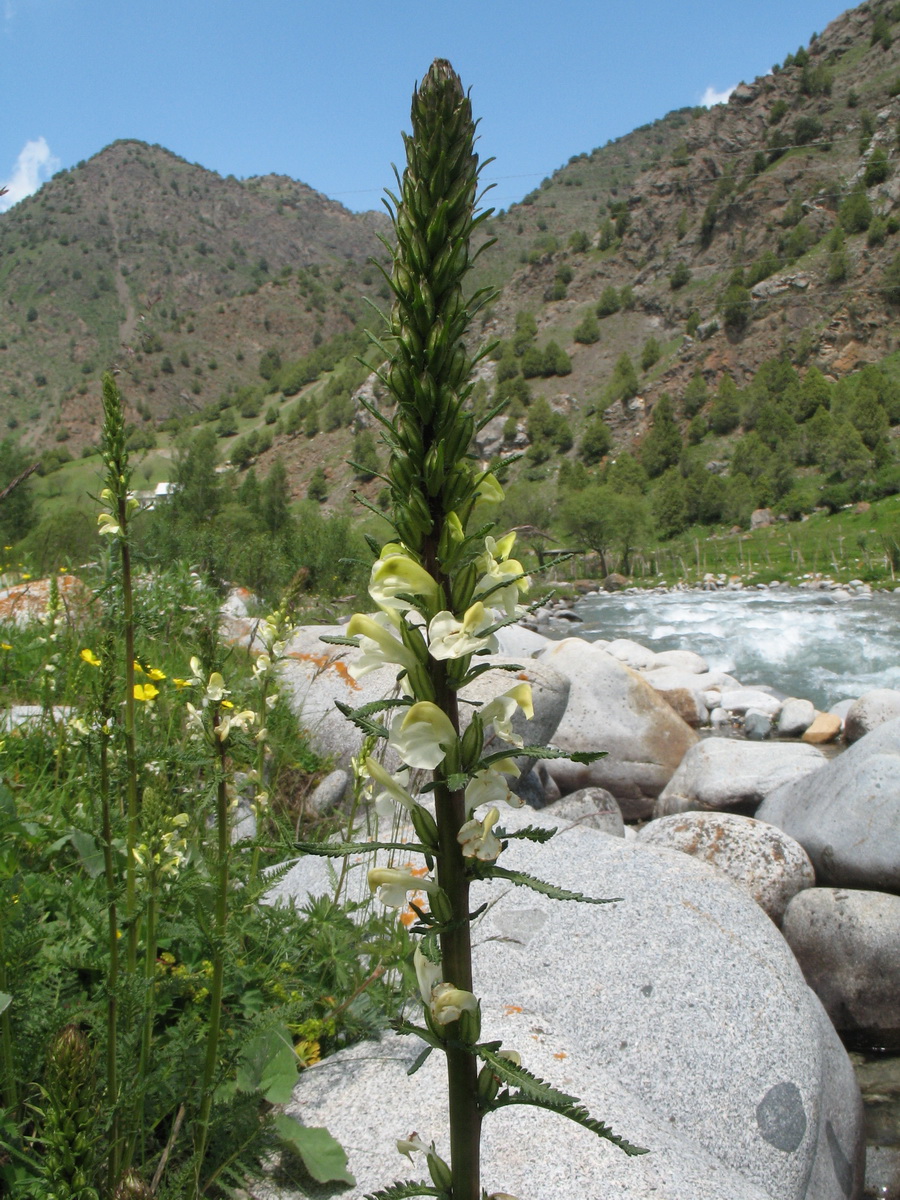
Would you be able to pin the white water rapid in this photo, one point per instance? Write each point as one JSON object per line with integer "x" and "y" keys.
{"x": 807, "y": 644}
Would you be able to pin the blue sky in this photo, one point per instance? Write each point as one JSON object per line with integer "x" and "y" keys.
{"x": 320, "y": 91}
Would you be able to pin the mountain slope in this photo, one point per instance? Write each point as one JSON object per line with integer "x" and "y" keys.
{"x": 179, "y": 276}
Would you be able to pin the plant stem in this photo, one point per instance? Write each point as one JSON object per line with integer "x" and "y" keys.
{"x": 218, "y": 978}
{"x": 456, "y": 957}
{"x": 131, "y": 835}
{"x": 112, "y": 977}
{"x": 10, "y": 1091}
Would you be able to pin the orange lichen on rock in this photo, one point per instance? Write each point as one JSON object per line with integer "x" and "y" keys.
{"x": 27, "y": 602}
{"x": 326, "y": 662}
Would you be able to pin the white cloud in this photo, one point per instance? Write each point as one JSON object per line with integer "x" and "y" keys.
{"x": 711, "y": 97}
{"x": 34, "y": 166}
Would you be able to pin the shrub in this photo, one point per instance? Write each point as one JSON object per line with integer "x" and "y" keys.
{"x": 587, "y": 331}
{"x": 609, "y": 302}
{"x": 877, "y": 169}
{"x": 806, "y": 129}
{"x": 650, "y": 355}
{"x": 815, "y": 80}
{"x": 317, "y": 488}
{"x": 855, "y": 213}
{"x": 596, "y": 441}
{"x": 890, "y": 286}
{"x": 736, "y": 307}
{"x": 680, "y": 276}
{"x": 779, "y": 108}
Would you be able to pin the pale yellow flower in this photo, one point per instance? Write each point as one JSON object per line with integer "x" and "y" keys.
{"x": 422, "y": 734}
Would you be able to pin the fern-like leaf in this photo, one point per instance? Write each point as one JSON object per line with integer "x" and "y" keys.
{"x": 531, "y": 833}
{"x": 409, "y": 1187}
{"x": 538, "y": 1092}
{"x": 374, "y": 728}
{"x": 579, "y": 756}
{"x": 344, "y": 849}
{"x": 579, "y": 1114}
{"x": 520, "y": 879}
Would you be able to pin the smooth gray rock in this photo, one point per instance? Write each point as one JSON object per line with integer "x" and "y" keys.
{"x": 594, "y": 807}
{"x": 682, "y": 660}
{"x": 613, "y": 708}
{"x": 846, "y": 815}
{"x": 678, "y": 1015}
{"x": 795, "y": 717}
{"x": 315, "y": 675}
{"x": 518, "y": 642}
{"x": 738, "y": 700}
{"x": 727, "y": 773}
{"x": 633, "y": 654}
{"x": 770, "y": 866}
{"x": 842, "y": 708}
{"x": 329, "y": 792}
{"x": 869, "y": 711}
{"x": 757, "y": 725}
{"x": 846, "y": 943}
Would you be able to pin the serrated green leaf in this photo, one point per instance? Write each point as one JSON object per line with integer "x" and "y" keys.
{"x": 531, "y": 833}
{"x": 481, "y": 668}
{"x": 344, "y": 849}
{"x": 520, "y": 879}
{"x": 543, "y": 752}
{"x": 268, "y": 1065}
{"x": 400, "y": 1190}
{"x": 339, "y": 640}
{"x": 579, "y": 1114}
{"x": 363, "y": 723}
{"x": 419, "y": 1060}
{"x": 541, "y": 1094}
{"x": 323, "y": 1156}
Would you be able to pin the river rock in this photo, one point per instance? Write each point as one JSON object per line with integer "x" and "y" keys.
{"x": 726, "y": 773}
{"x": 594, "y": 807}
{"x": 613, "y": 708}
{"x": 315, "y": 675}
{"x": 846, "y": 943}
{"x": 870, "y": 711}
{"x": 329, "y": 792}
{"x": 795, "y": 717}
{"x": 688, "y": 704}
{"x": 738, "y": 700}
{"x": 515, "y": 641}
{"x": 637, "y": 1007}
{"x": 682, "y": 660}
{"x": 846, "y": 815}
{"x": 633, "y": 654}
{"x": 770, "y": 866}
{"x": 826, "y": 727}
{"x": 757, "y": 725}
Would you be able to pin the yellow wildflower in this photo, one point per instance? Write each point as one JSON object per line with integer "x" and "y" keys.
{"x": 90, "y": 657}
{"x": 145, "y": 692}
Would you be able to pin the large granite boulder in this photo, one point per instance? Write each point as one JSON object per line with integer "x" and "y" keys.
{"x": 678, "y": 1014}
{"x": 846, "y": 943}
{"x": 869, "y": 711}
{"x": 315, "y": 676}
{"x": 846, "y": 815}
{"x": 770, "y": 866}
{"x": 724, "y": 773}
{"x": 612, "y": 708}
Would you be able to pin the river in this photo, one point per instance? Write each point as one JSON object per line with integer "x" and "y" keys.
{"x": 802, "y": 643}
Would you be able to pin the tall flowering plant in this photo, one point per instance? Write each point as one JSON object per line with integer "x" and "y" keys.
{"x": 443, "y": 587}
